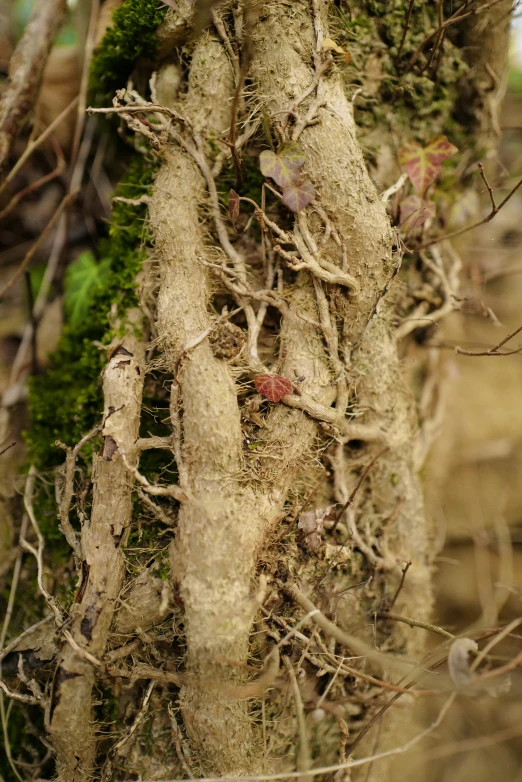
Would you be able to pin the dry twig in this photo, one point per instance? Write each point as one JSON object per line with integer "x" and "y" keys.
{"x": 26, "y": 71}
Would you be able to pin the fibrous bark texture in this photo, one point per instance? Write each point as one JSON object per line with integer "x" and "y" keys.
{"x": 103, "y": 536}
{"x": 224, "y": 520}
{"x": 284, "y": 529}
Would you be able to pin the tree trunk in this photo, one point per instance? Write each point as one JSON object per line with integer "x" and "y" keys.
{"x": 294, "y": 521}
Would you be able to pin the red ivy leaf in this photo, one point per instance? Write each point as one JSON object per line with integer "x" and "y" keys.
{"x": 233, "y": 206}
{"x": 284, "y": 166}
{"x": 297, "y": 196}
{"x": 414, "y": 212}
{"x": 274, "y": 387}
{"x": 423, "y": 164}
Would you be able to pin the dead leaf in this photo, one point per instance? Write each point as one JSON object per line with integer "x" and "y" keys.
{"x": 233, "y": 206}
{"x": 311, "y": 522}
{"x": 458, "y": 661}
{"x": 329, "y": 43}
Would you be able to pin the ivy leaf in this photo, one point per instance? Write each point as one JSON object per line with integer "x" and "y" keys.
{"x": 296, "y": 197}
{"x": 423, "y": 164}
{"x": 414, "y": 212}
{"x": 82, "y": 277}
{"x": 274, "y": 387}
{"x": 283, "y": 166}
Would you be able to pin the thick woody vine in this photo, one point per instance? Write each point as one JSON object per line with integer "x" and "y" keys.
{"x": 290, "y": 431}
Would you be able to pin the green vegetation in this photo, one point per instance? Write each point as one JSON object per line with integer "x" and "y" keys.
{"x": 133, "y": 35}
{"x": 82, "y": 278}
{"x": 66, "y": 402}
{"x": 412, "y": 102}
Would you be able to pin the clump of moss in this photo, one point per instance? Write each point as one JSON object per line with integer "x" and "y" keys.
{"x": 413, "y": 103}
{"x": 132, "y": 35}
{"x": 66, "y": 402}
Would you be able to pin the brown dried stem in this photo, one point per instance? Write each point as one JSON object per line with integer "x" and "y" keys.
{"x": 455, "y": 18}
{"x": 26, "y": 70}
{"x": 68, "y": 199}
{"x": 495, "y": 209}
{"x": 494, "y": 351}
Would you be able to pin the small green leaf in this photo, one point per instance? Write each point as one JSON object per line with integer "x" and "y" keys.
{"x": 82, "y": 278}
{"x": 297, "y": 196}
{"x": 283, "y": 166}
{"x": 423, "y": 164}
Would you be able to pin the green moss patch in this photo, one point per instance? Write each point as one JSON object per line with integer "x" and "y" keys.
{"x": 66, "y": 402}
{"x": 132, "y": 35}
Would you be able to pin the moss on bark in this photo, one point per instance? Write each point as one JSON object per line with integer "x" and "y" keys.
{"x": 132, "y": 35}
{"x": 66, "y": 401}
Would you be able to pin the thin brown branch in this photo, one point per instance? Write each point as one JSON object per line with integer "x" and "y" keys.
{"x": 494, "y": 211}
{"x": 494, "y": 350}
{"x": 33, "y": 145}
{"x": 488, "y": 186}
{"x": 140, "y": 716}
{"x": 398, "y": 750}
{"x": 68, "y": 199}
{"x": 76, "y": 175}
{"x": 146, "y": 107}
{"x": 304, "y": 760}
{"x": 26, "y": 71}
{"x": 439, "y": 38}
{"x": 30, "y": 630}
{"x": 350, "y": 641}
{"x": 17, "y": 696}
{"x": 404, "y": 32}
{"x": 7, "y": 447}
{"x": 344, "y": 668}
{"x": 454, "y": 19}
{"x": 376, "y": 717}
{"x": 347, "y": 504}
{"x": 414, "y": 622}
{"x": 157, "y": 491}
{"x": 401, "y": 584}
{"x": 14, "y": 584}
{"x": 181, "y": 750}
{"x": 68, "y": 491}
{"x": 358, "y": 485}
{"x": 36, "y": 185}
{"x": 38, "y": 553}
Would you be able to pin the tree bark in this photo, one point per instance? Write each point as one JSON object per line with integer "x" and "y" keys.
{"x": 312, "y": 297}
